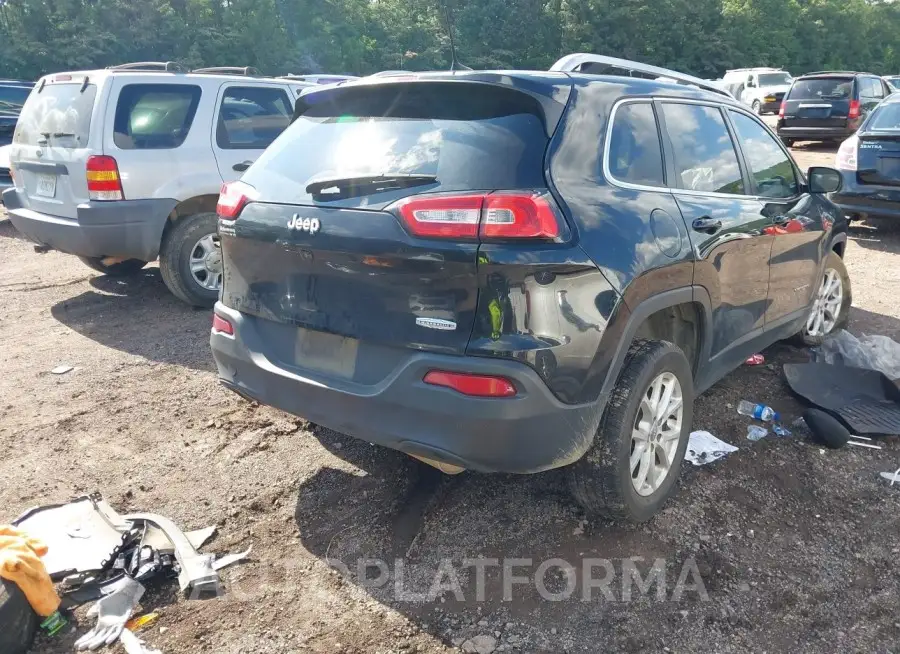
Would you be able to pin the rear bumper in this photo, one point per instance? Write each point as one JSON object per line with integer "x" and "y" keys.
{"x": 529, "y": 433}
{"x": 867, "y": 199}
{"x": 815, "y": 133}
{"x": 130, "y": 228}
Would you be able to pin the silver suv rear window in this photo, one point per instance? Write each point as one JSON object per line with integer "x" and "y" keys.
{"x": 58, "y": 114}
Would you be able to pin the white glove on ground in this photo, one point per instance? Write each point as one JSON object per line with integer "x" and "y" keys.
{"x": 112, "y": 612}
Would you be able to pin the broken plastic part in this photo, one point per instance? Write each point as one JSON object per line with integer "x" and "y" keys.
{"x": 197, "y": 576}
{"x": 156, "y": 538}
{"x": 231, "y": 559}
{"x": 892, "y": 477}
{"x": 134, "y": 645}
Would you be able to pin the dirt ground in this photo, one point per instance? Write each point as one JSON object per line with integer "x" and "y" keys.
{"x": 795, "y": 547}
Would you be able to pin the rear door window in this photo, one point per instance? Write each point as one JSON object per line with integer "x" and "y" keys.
{"x": 250, "y": 118}
{"x": 825, "y": 88}
{"x": 705, "y": 158}
{"x": 635, "y": 151}
{"x": 155, "y": 116}
{"x": 58, "y": 114}
{"x": 770, "y": 166}
{"x": 466, "y": 136}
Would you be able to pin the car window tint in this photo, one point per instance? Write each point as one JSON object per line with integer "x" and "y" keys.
{"x": 250, "y": 118}
{"x": 705, "y": 158}
{"x": 155, "y": 116}
{"x": 635, "y": 152}
{"x": 825, "y": 88}
{"x": 770, "y": 167}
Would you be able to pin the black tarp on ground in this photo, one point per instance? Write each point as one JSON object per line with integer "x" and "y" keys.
{"x": 866, "y": 400}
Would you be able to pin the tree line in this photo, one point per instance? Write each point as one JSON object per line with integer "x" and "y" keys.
{"x": 702, "y": 37}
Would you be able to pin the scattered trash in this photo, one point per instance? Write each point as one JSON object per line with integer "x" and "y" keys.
{"x": 872, "y": 352}
{"x": 112, "y": 612}
{"x": 756, "y": 433}
{"x": 892, "y": 477}
{"x": 866, "y": 401}
{"x": 142, "y": 622}
{"x": 705, "y": 448}
{"x": 869, "y": 446}
{"x": 62, "y": 370}
{"x": 134, "y": 645}
{"x": 781, "y": 430}
{"x": 231, "y": 559}
{"x": 758, "y": 411}
{"x": 755, "y": 360}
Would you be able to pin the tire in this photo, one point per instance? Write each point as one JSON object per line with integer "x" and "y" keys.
{"x": 812, "y": 338}
{"x": 602, "y": 481}
{"x": 757, "y": 108}
{"x": 788, "y": 142}
{"x": 180, "y": 243}
{"x": 121, "y": 269}
{"x": 18, "y": 622}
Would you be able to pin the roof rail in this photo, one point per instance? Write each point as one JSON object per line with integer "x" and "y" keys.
{"x": 835, "y": 72}
{"x": 247, "y": 71}
{"x": 768, "y": 68}
{"x": 160, "y": 66}
{"x": 573, "y": 63}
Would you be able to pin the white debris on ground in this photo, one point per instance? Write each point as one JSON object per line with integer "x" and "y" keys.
{"x": 705, "y": 448}
{"x": 873, "y": 352}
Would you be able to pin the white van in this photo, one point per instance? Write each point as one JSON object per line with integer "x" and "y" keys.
{"x": 763, "y": 88}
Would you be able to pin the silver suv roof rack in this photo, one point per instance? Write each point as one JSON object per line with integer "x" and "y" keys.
{"x": 247, "y": 71}
{"x": 151, "y": 66}
{"x": 573, "y": 63}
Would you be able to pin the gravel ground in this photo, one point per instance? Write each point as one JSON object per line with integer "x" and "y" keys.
{"x": 783, "y": 546}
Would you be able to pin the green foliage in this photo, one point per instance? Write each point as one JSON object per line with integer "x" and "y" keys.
{"x": 703, "y": 37}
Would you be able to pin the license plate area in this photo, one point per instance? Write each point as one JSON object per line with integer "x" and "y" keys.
{"x": 889, "y": 168}
{"x": 327, "y": 353}
{"x": 46, "y": 185}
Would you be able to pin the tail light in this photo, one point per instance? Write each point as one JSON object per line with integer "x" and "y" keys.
{"x": 222, "y": 326}
{"x": 854, "y": 109}
{"x": 846, "y": 154}
{"x": 103, "y": 179}
{"x": 499, "y": 215}
{"x": 233, "y": 197}
{"x": 781, "y": 109}
{"x": 474, "y": 385}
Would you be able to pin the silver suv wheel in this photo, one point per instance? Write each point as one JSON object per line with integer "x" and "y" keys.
{"x": 656, "y": 434}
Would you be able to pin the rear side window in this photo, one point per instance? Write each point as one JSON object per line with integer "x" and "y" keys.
{"x": 770, "y": 167}
{"x": 467, "y": 136}
{"x": 60, "y": 114}
{"x": 825, "y": 88}
{"x": 705, "y": 158}
{"x": 635, "y": 152}
{"x": 155, "y": 116}
{"x": 872, "y": 87}
{"x": 250, "y": 118}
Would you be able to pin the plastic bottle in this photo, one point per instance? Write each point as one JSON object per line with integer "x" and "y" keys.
{"x": 756, "y": 433}
{"x": 758, "y": 411}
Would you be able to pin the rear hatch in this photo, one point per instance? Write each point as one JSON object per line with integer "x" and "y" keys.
{"x": 819, "y": 102}
{"x": 50, "y": 146}
{"x": 878, "y": 158}
{"x": 324, "y": 245}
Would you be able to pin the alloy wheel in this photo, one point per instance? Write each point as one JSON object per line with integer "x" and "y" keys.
{"x": 656, "y": 433}
{"x": 827, "y": 306}
{"x": 206, "y": 263}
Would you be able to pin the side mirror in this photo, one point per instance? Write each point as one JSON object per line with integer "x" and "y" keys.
{"x": 824, "y": 180}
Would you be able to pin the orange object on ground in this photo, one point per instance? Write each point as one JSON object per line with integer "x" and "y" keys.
{"x": 21, "y": 564}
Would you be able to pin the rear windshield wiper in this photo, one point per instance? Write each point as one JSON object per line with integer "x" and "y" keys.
{"x": 361, "y": 184}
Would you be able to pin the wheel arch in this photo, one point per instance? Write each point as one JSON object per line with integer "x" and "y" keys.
{"x": 198, "y": 204}
{"x": 642, "y": 317}
{"x": 839, "y": 244}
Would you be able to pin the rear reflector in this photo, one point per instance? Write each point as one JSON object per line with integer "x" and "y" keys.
{"x": 103, "y": 181}
{"x": 498, "y": 215}
{"x": 233, "y": 197}
{"x": 221, "y": 325}
{"x": 474, "y": 385}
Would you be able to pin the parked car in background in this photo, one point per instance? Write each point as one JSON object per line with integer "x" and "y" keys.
{"x": 893, "y": 81}
{"x": 870, "y": 164}
{"x": 519, "y": 271}
{"x": 828, "y": 106}
{"x": 13, "y": 94}
{"x": 5, "y": 173}
{"x": 124, "y": 165}
{"x": 763, "y": 88}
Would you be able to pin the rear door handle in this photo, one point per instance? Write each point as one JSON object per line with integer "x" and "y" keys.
{"x": 241, "y": 167}
{"x": 707, "y": 224}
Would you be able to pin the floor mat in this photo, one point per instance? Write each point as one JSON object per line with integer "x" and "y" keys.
{"x": 866, "y": 400}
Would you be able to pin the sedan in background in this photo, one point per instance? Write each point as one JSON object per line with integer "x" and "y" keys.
{"x": 869, "y": 161}
{"x": 13, "y": 94}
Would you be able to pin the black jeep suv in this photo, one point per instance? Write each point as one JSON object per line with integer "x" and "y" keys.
{"x": 519, "y": 271}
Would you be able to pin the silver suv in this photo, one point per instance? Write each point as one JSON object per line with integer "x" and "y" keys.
{"x": 124, "y": 165}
